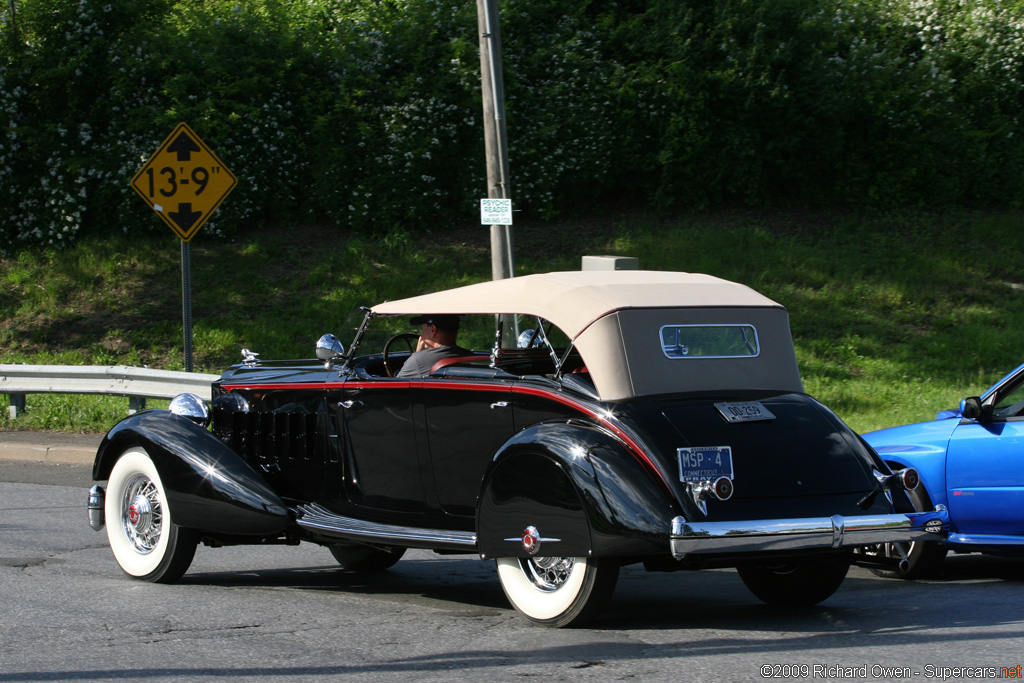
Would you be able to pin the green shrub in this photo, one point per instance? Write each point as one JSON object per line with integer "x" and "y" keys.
{"x": 366, "y": 113}
{"x": 879, "y": 102}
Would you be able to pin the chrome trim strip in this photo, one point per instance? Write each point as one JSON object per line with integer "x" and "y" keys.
{"x": 319, "y": 519}
{"x": 799, "y": 534}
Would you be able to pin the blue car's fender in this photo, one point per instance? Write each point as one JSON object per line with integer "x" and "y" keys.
{"x": 921, "y": 446}
{"x": 208, "y": 486}
{"x": 582, "y": 491}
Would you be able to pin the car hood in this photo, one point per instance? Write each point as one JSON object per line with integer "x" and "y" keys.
{"x": 277, "y": 372}
{"x": 914, "y": 439}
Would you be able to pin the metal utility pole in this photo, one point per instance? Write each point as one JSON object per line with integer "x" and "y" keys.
{"x": 495, "y": 134}
{"x": 186, "y": 301}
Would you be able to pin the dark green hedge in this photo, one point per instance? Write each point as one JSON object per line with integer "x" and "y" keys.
{"x": 366, "y": 113}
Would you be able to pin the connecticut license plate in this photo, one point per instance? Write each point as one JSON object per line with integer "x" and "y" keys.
{"x": 747, "y": 411}
{"x": 705, "y": 463}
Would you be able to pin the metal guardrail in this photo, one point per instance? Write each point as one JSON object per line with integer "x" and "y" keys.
{"x": 137, "y": 384}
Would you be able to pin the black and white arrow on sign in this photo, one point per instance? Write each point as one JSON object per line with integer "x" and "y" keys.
{"x": 184, "y": 146}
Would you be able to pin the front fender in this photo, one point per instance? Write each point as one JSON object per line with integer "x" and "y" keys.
{"x": 577, "y": 483}
{"x": 931, "y": 469}
{"x": 208, "y": 486}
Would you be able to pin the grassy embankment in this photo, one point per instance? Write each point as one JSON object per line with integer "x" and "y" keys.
{"x": 894, "y": 316}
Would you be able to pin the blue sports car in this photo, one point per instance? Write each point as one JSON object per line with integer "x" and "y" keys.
{"x": 971, "y": 460}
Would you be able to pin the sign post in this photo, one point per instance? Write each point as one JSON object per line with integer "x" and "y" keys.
{"x": 186, "y": 301}
{"x": 492, "y": 83}
{"x": 184, "y": 182}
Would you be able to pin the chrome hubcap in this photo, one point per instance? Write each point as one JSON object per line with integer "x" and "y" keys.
{"x": 547, "y": 573}
{"x": 141, "y": 514}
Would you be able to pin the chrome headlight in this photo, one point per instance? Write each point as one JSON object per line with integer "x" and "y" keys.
{"x": 328, "y": 347}
{"x": 192, "y": 407}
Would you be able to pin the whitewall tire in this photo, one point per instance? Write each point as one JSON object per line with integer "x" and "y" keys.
{"x": 140, "y": 529}
{"x": 557, "y": 591}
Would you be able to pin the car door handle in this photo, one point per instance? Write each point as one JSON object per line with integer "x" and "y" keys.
{"x": 499, "y": 404}
{"x": 350, "y": 404}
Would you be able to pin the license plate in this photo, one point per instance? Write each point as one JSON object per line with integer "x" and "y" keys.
{"x": 705, "y": 463}
{"x": 746, "y": 411}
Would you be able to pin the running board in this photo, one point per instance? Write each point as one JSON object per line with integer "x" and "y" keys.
{"x": 324, "y": 522}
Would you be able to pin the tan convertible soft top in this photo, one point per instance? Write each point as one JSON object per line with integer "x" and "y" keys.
{"x": 573, "y": 300}
{"x": 614, "y": 318}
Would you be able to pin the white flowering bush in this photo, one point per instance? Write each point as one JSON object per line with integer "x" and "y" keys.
{"x": 882, "y": 102}
{"x": 564, "y": 132}
{"x": 407, "y": 145}
{"x": 939, "y": 94}
{"x": 48, "y": 109}
{"x": 367, "y": 113}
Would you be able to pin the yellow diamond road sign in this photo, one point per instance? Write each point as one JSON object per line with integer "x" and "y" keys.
{"x": 184, "y": 182}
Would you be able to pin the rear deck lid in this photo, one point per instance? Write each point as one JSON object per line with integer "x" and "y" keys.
{"x": 779, "y": 446}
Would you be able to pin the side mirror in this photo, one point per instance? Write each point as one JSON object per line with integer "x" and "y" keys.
{"x": 328, "y": 348}
{"x": 970, "y": 408}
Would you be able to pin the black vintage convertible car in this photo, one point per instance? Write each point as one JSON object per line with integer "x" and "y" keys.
{"x": 618, "y": 418}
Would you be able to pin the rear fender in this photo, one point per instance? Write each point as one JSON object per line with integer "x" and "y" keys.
{"x": 209, "y": 487}
{"x": 580, "y": 488}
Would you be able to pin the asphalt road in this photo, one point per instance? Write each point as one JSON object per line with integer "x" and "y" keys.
{"x": 288, "y": 614}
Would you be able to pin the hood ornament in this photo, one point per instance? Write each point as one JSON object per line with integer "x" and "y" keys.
{"x": 250, "y": 358}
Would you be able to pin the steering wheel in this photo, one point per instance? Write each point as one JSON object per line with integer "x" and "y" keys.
{"x": 410, "y": 340}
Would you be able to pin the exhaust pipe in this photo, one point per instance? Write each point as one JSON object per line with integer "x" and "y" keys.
{"x": 881, "y": 562}
{"x": 887, "y": 556}
{"x": 904, "y": 560}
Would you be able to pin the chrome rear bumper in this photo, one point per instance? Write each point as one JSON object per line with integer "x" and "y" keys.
{"x": 804, "y": 534}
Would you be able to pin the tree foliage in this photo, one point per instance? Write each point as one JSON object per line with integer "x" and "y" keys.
{"x": 366, "y": 113}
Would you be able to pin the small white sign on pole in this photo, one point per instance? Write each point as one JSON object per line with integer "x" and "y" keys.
{"x": 496, "y": 212}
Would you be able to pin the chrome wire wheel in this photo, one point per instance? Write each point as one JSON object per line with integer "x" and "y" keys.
{"x": 146, "y": 542}
{"x": 548, "y": 573}
{"x": 142, "y": 514}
